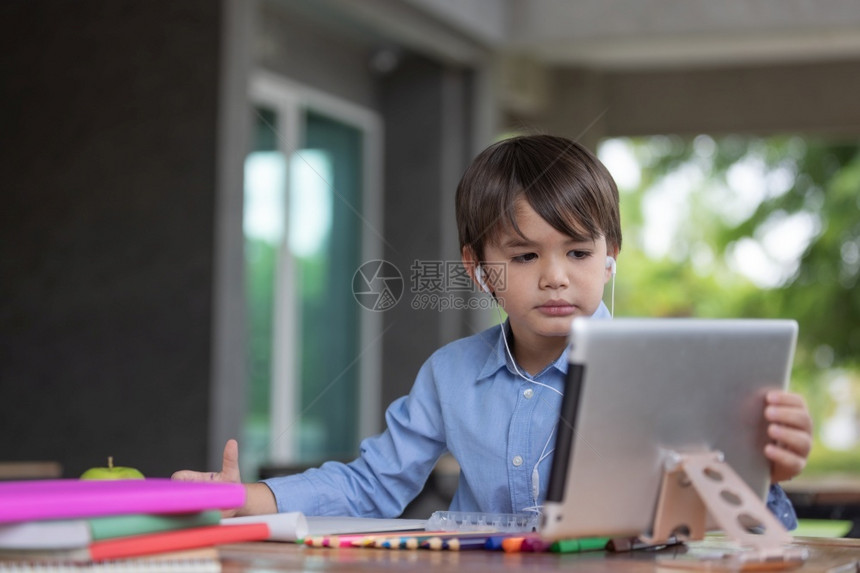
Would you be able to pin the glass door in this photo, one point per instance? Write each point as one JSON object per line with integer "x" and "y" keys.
{"x": 306, "y": 211}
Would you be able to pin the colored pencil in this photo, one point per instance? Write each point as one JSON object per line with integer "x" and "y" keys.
{"x": 512, "y": 544}
{"x": 579, "y": 545}
{"x": 528, "y": 542}
{"x": 465, "y": 543}
{"x": 438, "y": 542}
{"x": 404, "y": 542}
{"x": 353, "y": 539}
{"x": 534, "y": 545}
{"x": 495, "y": 541}
{"x": 411, "y": 541}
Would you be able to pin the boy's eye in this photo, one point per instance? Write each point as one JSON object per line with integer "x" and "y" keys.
{"x": 579, "y": 254}
{"x": 524, "y": 258}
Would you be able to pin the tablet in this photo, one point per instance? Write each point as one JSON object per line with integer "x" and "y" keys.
{"x": 639, "y": 389}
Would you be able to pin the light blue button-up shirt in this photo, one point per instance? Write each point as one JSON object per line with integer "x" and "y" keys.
{"x": 468, "y": 400}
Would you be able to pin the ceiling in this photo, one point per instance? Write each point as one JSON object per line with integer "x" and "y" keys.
{"x": 609, "y": 34}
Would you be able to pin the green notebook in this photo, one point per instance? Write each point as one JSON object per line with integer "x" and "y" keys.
{"x": 112, "y": 526}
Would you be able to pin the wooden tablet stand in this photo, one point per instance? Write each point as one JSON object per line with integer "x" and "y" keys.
{"x": 695, "y": 484}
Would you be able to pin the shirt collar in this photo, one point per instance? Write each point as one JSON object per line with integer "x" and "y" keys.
{"x": 602, "y": 312}
{"x": 498, "y": 357}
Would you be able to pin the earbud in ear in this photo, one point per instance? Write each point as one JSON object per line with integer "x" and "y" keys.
{"x": 479, "y": 276}
{"x": 610, "y": 264}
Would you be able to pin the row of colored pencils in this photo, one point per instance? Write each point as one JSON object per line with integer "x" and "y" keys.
{"x": 459, "y": 541}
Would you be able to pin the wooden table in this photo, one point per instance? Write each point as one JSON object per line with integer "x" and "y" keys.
{"x": 831, "y": 497}
{"x": 825, "y": 555}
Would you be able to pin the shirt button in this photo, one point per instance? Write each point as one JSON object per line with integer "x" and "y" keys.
{"x": 528, "y": 394}
{"x": 517, "y": 461}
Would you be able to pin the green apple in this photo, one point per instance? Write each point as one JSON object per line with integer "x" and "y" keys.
{"x": 112, "y": 472}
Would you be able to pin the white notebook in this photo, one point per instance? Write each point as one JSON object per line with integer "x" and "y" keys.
{"x": 294, "y": 526}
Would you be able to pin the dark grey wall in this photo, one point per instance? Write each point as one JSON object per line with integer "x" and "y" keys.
{"x": 108, "y": 126}
{"x": 416, "y": 101}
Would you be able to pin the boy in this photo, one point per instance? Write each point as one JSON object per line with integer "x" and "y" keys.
{"x": 539, "y": 231}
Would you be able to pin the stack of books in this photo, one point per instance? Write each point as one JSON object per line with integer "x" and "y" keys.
{"x": 158, "y": 524}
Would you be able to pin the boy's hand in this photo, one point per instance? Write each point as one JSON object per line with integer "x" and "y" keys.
{"x": 229, "y": 468}
{"x": 258, "y": 497}
{"x": 790, "y": 428}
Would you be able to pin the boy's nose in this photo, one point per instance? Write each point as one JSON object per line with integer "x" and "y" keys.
{"x": 553, "y": 276}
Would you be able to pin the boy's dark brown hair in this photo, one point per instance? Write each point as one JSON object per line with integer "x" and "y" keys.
{"x": 560, "y": 179}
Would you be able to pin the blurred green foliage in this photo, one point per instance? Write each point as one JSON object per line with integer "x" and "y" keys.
{"x": 809, "y": 188}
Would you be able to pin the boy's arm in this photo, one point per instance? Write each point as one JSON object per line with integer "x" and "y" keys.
{"x": 258, "y": 497}
{"x": 790, "y": 429}
{"x": 390, "y": 471}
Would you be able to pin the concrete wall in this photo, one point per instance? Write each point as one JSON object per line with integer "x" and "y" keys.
{"x": 801, "y": 98}
{"x": 295, "y": 45}
{"x": 425, "y": 155}
{"x": 108, "y": 112}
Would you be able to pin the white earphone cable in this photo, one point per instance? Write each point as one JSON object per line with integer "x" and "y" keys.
{"x": 535, "y": 477}
{"x": 612, "y": 298}
{"x": 544, "y": 453}
{"x": 514, "y": 362}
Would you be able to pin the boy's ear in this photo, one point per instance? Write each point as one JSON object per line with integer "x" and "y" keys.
{"x": 611, "y": 264}
{"x": 470, "y": 263}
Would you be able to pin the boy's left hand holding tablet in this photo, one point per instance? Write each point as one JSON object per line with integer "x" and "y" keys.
{"x": 790, "y": 429}
{"x": 258, "y": 497}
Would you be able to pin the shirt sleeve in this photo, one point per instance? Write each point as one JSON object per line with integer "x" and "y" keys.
{"x": 779, "y": 504}
{"x": 390, "y": 471}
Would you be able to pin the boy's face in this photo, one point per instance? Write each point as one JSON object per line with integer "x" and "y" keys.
{"x": 549, "y": 279}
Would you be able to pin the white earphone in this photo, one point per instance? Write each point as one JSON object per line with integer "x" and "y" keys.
{"x": 479, "y": 276}
{"x": 610, "y": 264}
